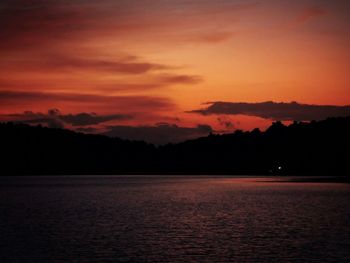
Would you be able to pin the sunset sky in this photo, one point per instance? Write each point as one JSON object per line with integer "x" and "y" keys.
{"x": 174, "y": 69}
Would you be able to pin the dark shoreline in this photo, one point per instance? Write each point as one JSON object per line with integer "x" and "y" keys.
{"x": 299, "y": 149}
{"x": 312, "y": 179}
{"x": 279, "y": 178}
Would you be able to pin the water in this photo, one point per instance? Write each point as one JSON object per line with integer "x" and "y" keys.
{"x": 172, "y": 219}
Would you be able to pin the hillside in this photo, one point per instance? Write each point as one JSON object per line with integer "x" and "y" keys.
{"x": 315, "y": 148}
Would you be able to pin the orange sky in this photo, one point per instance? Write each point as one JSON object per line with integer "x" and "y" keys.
{"x": 156, "y": 60}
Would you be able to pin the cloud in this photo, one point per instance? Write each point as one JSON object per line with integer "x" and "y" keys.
{"x": 159, "y": 134}
{"x": 276, "y": 111}
{"x": 67, "y": 70}
{"x": 180, "y": 79}
{"x": 50, "y": 119}
{"x": 55, "y": 119}
{"x": 38, "y": 23}
{"x": 225, "y": 122}
{"x": 59, "y": 62}
{"x": 143, "y": 103}
{"x": 109, "y": 85}
{"x": 308, "y": 14}
{"x": 84, "y": 119}
{"x": 211, "y": 38}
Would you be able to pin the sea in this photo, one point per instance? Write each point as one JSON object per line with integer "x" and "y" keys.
{"x": 173, "y": 219}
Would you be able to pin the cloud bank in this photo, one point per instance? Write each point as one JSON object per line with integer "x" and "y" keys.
{"x": 115, "y": 103}
{"x": 161, "y": 133}
{"x": 54, "y": 119}
{"x": 276, "y": 111}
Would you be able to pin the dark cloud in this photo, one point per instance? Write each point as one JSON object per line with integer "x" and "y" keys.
{"x": 54, "y": 119}
{"x": 28, "y": 23}
{"x": 225, "y": 122}
{"x": 155, "y": 74}
{"x": 84, "y": 119}
{"x": 51, "y": 119}
{"x": 160, "y": 134}
{"x": 144, "y": 103}
{"x": 62, "y": 63}
{"x": 53, "y": 112}
{"x": 50, "y": 122}
{"x": 55, "y": 36}
{"x": 277, "y": 111}
{"x": 39, "y": 22}
{"x": 180, "y": 79}
{"x": 211, "y": 38}
{"x": 106, "y": 85}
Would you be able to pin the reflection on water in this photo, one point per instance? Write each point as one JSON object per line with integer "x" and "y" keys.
{"x": 172, "y": 219}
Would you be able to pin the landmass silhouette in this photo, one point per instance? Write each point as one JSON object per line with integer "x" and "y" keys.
{"x": 312, "y": 148}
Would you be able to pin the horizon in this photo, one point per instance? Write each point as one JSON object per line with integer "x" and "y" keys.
{"x": 159, "y": 136}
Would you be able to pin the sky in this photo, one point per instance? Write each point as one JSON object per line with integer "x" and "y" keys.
{"x": 171, "y": 70}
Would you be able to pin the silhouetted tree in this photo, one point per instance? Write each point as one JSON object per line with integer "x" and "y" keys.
{"x": 315, "y": 148}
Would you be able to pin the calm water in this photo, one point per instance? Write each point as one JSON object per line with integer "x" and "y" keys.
{"x": 172, "y": 219}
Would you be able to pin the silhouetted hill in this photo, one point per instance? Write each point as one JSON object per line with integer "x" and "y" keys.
{"x": 315, "y": 148}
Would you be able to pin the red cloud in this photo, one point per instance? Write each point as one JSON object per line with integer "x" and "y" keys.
{"x": 180, "y": 79}
{"x": 123, "y": 103}
{"x": 309, "y": 14}
{"x": 212, "y": 38}
{"x": 63, "y": 63}
{"x": 38, "y": 23}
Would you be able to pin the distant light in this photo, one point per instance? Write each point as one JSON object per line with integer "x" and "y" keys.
{"x": 279, "y": 167}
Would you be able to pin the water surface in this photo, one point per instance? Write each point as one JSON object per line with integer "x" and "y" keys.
{"x": 172, "y": 219}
